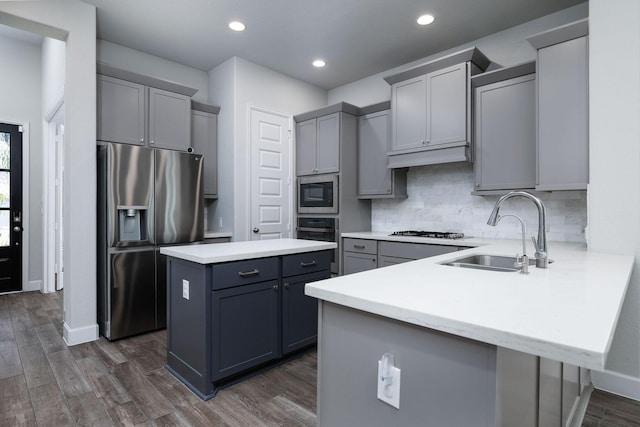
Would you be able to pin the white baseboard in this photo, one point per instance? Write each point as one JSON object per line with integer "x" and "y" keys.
{"x": 616, "y": 383}
{"x": 80, "y": 335}
{"x": 33, "y": 285}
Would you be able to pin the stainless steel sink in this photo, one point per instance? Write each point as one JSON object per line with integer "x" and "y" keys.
{"x": 487, "y": 262}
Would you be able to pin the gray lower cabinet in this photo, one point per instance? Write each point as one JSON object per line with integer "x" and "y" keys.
{"x": 413, "y": 251}
{"x": 505, "y": 128}
{"x": 535, "y": 391}
{"x": 356, "y": 262}
{"x": 359, "y": 255}
{"x": 367, "y": 254}
{"x": 375, "y": 180}
{"x": 227, "y": 319}
{"x": 563, "y": 107}
{"x": 244, "y": 327}
{"x": 204, "y": 140}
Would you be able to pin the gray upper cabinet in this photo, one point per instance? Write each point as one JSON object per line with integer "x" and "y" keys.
{"x": 322, "y": 137}
{"x": 431, "y": 110}
{"x": 448, "y": 106}
{"x": 204, "y": 140}
{"x": 142, "y": 110}
{"x": 318, "y": 145}
{"x": 409, "y": 113}
{"x": 563, "y": 116}
{"x": 120, "y": 111}
{"x": 169, "y": 120}
{"x": 505, "y": 128}
{"x": 375, "y": 180}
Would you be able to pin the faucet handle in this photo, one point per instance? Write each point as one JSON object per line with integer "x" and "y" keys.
{"x": 535, "y": 243}
{"x": 539, "y": 253}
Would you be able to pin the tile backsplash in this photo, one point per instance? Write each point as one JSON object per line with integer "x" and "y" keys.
{"x": 440, "y": 200}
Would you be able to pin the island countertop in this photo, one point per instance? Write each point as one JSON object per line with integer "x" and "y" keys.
{"x": 567, "y": 312}
{"x": 235, "y": 251}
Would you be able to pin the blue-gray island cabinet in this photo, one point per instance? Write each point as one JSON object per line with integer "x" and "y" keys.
{"x": 234, "y": 308}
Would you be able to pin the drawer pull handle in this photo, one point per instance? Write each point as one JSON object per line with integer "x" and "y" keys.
{"x": 253, "y": 272}
{"x": 307, "y": 264}
{"x": 286, "y": 286}
{"x": 358, "y": 246}
{"x": 275, "y": 288}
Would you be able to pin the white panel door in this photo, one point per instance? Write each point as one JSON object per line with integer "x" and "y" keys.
{"x": 270, "y": 175}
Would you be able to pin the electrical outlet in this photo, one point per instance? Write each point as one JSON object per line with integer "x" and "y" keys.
{"x": 185, "y": 289}
{"x": 389, "y": 387}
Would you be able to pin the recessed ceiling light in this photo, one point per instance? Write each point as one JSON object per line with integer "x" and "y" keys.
{"x": 237, "y": 26}
{"x": 426, "y": 19}
{"x": 319, "y": 63}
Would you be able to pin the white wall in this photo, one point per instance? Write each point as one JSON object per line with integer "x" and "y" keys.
{"x": 21, "y": 93}
{"x": 614, "y": 157}
{"x": 75, "y": 22}
{"x": 149, "y": 65}
{"x": 253, "y": 85}
{"x": 53, "y": 71}
{"x": 222, "y": 83}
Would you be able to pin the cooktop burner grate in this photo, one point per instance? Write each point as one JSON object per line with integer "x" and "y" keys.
{"x": 432, "y": 234}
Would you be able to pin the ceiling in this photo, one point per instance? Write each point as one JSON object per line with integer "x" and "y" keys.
{"x": 356, "y": 38}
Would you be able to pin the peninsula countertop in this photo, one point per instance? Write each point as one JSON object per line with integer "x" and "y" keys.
{"x": 567, "y": 312}
{"x": 235, "y": 251}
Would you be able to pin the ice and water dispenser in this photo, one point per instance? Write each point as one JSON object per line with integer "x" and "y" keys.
{"x": 132, "y": 224}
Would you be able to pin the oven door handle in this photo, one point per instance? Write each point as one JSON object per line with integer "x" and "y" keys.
{"x": 318, "y": 230}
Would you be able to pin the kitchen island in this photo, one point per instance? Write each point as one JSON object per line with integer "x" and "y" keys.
{"x": 234, "y": 308}
{"x": 454, "y": 330}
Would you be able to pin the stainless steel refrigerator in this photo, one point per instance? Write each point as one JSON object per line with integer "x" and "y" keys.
{"x": 147, "y": 198}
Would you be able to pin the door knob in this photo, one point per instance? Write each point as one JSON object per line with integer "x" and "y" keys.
{"x": 17, "y": 228}
{"x": 256, "y": 229}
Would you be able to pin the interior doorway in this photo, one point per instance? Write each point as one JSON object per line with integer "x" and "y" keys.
{"x": 53, "y": 195}
{"x": 270, "y": 174}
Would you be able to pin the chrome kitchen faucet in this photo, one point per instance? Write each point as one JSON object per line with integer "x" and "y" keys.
{"x": 542, "y": 259}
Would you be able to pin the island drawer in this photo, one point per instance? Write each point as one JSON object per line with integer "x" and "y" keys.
{"x": 308, "y": 262}
{"x": 238, "y": 273}
{"x": 413, "y": 250}
{"x": 364, "y": 246}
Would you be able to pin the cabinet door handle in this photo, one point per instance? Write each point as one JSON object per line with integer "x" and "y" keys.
{"x": 358, "y": 246}
{"x": 253, "y": 272}
{"x": 307, "y": 264}
{"x": 286, "y": 286}
{"x": 275, "y": 288}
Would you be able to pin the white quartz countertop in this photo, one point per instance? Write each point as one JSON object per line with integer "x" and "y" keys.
{"x": 567, "y": 312}
{"x": 235, "y": 251}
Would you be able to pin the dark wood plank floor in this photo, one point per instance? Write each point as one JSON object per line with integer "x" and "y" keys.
{"x": 44, "y": 382}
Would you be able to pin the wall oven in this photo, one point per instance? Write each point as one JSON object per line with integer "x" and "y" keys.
{"x": 318, "y": 194}
{"x": 323, "y": 229}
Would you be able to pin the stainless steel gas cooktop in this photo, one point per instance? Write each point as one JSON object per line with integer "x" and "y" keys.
{"x": 432, "y": 234}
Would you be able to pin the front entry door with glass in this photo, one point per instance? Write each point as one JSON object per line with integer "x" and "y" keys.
{"x": 10, "y": 208}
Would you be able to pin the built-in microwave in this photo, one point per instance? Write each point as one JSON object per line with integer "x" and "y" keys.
{"x": 318, "y": 194}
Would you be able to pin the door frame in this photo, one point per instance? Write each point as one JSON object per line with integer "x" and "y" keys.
{"x": 249, "y": 173}
{"x": 50, "y": 121}
{"x": 26, "y": 284}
